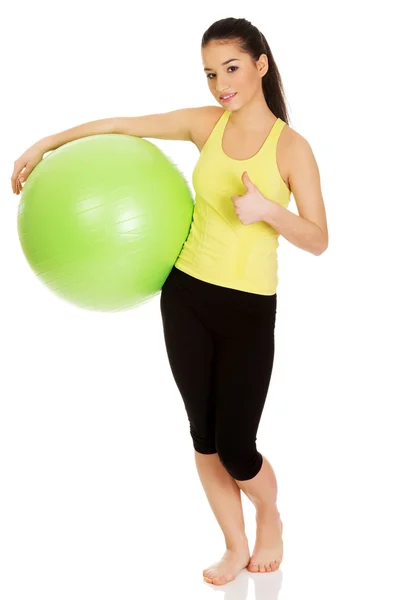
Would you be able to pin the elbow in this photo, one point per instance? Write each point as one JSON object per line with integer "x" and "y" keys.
{"x": 322, "y": 243}
{"x": 321, "y": 248}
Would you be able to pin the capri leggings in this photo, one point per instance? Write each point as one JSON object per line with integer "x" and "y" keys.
{"x": 220, "y": 346}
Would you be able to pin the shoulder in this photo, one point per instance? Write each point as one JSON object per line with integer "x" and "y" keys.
{"x": 204, "y": 119}
{"x": 294, "y": 156}
{"x": 296, "y": 144}
{"x": 298, "y": 151}
{"x": 304, "y": 178}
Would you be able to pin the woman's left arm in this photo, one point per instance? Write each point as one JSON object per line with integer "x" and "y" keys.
{"x": 308, "y": 230}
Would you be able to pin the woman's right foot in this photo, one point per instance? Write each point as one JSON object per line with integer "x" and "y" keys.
{"x": 226, "y": 569}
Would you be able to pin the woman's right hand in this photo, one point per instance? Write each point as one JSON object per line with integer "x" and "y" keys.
{"x": 24, "y": 165}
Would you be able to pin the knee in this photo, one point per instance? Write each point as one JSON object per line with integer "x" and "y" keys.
{"x": 241, "y": 466}
{"x": 204, "y": 444}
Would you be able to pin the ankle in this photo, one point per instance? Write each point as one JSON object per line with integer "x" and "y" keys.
{"x": 237, "y": 544}
{"x": 267, "y": 512}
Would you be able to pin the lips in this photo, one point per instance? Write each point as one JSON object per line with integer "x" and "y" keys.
{"x": 228, "y": 96}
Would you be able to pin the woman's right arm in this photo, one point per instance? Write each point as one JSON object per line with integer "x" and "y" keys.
{"x": 173, "y": 125}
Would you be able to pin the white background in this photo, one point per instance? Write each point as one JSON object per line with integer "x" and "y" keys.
{"x": 99, "y": 495}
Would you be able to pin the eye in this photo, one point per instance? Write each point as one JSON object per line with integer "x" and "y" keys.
{"x": 232, "y": 67}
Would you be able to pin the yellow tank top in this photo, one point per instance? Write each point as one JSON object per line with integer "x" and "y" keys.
{"x": 219, "y": 248}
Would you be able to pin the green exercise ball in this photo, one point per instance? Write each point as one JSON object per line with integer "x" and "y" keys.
{"x": 103, "y": 219}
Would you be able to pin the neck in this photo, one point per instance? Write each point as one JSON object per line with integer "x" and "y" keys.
{"x": 253, "y": 116}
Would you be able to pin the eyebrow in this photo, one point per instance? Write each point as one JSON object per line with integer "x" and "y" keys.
{"x": 224, "y": 63}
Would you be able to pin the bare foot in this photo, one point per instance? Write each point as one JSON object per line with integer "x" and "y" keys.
{"x": 268, "y": 550}
{"x": 226, "y": 569}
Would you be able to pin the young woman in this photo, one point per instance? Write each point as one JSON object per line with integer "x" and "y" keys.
{"x": 219, "y": 302}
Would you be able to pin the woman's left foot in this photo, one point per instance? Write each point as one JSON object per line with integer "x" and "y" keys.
{"x": 268, "y": 550}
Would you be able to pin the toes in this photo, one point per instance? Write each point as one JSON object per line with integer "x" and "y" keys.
{"x": 220, "y": 580}
{"x": 263, "y": 568}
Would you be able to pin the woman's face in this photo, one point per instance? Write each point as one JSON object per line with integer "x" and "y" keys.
{"x": 241, "y": 76}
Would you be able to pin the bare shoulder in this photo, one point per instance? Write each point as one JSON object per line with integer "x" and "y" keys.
{"x": 203, "y": 122}
{"x": 296, "y": 143}
{"x": 302, "y": 168}
{"x": 284, "y": 153}
{"x": 289, "y": 137}
{"x": 292, "y": 149}
{"x": 301, "y": 155}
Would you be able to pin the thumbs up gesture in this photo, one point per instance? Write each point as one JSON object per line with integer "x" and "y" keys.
{"x": 252, "y": 206}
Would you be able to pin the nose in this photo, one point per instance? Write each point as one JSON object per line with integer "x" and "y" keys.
{"x": 221, "y": 89}
{"x": 220, "y": 86}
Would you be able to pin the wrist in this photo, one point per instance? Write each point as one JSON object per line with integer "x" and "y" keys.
{"x": 269, "y": 209}
{"x": 44, "y": 145}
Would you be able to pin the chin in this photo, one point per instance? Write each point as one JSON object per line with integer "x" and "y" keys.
{"x": 228, "y": 107}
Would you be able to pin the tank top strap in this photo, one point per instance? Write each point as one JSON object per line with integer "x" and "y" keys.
{"x": 215, "y": 137}
{"x": 276, "y": 131}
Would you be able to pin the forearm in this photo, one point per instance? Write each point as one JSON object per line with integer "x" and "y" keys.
{"x": 299, "y": 231}
{"x": 52, "y": 142}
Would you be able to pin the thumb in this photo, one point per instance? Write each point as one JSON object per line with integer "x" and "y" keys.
{"x": 246, "y": 179}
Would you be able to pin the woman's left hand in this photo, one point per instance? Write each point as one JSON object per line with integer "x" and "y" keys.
{"x": 252, "y": 206}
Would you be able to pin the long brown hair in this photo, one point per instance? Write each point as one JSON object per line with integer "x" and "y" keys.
{"x": 251, "y": 40}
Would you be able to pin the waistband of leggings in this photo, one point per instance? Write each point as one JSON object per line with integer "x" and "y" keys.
{"x": 205, "y": 286}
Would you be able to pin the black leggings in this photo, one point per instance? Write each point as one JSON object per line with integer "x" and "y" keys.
{"x": 220, "y": 345}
